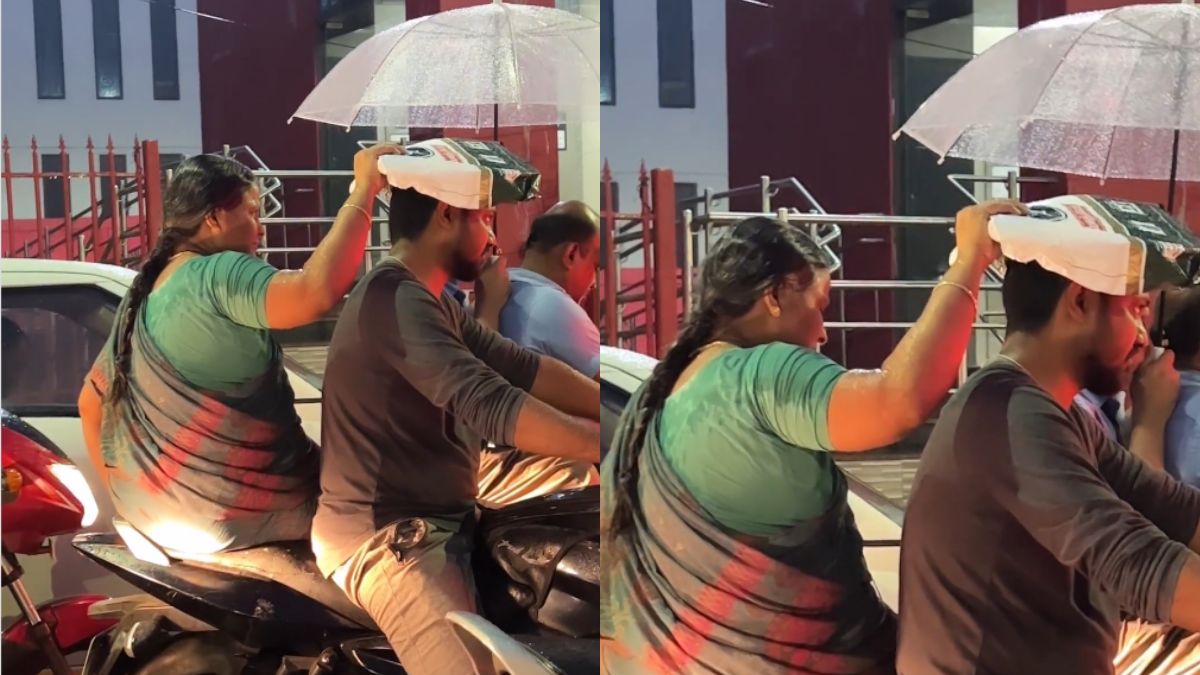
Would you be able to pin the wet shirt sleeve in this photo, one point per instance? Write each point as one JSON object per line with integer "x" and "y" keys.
{"x": 791, "y": 389}
{"x": 236, "y": 284}
{"x": 1070, "y": 501}
{"x": 432, "y": 355}
{"x": 1171, "y": 505}
{"x": 513, "y": 362}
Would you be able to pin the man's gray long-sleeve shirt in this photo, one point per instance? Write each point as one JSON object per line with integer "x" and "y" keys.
{"x": 413, "y": 387}
{"x": 1026, "y": 533}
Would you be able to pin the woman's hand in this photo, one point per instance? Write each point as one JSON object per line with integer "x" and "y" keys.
{"x": 876, "y": 408}
{"x": 297, "y": 298}
{"x": 367, "y": 175}
{"x": 975, "y": 246}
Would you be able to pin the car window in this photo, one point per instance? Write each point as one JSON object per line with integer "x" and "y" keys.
{"x": 612, "y": 403}
{"x": 51, "y": 336}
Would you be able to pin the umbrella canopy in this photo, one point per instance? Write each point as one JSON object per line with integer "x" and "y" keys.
{"x": 1112, "y": 93}
{"x": 479, "y": 67}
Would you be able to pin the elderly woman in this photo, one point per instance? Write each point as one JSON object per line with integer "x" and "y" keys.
{"x": 731, "y": 547}
{"x": 188, "y": 413}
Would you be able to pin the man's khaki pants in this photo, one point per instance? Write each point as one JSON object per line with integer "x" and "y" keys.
{"x": 412, "y": 573}
{"x": 1154, "y": 649}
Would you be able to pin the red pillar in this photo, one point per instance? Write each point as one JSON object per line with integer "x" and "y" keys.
{"x": 1187, "y": 195}
{"x": 666, "y": 268}
{"x": 152, "y": 219}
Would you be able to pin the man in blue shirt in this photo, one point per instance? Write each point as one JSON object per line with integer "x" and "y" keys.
{"x": 543, "y": 311}
{"x": 1181, "y": 328}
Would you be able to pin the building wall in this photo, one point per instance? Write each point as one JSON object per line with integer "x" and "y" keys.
{"x": 694, "y": 142}
{"x": 254, "y": 73}
{"x": 810, "y": 96}
{"x": 174, "y": 124}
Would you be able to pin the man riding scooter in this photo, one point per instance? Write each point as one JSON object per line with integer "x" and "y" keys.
{"x": 413, "y": 388}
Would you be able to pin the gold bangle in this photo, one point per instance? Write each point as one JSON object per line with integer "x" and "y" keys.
{"x": 964, "y": 289}
{"x": 365, "y": 212}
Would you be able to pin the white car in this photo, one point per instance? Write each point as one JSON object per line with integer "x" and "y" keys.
{"x": 879, "y": 521}
{"x": 65, "y": 312}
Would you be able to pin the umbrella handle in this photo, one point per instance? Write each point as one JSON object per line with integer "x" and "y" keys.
{"x": 1174, "y": 170}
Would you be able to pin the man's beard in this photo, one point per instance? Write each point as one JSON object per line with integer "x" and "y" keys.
{"x": 464, "y": 269}
{"x": 1100, "y": 379}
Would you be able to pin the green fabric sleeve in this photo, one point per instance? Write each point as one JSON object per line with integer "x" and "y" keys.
{"x": 791, "y": 389}
{"x": 237, "y": 285}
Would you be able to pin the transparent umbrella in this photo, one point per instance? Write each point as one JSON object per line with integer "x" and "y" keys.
{"x": 484, "y": 66}
{"x": 1112, "y": 94}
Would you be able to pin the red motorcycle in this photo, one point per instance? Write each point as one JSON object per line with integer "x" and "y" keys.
{"x": 43, "y": 496}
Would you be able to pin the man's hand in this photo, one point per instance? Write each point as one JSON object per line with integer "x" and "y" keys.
{"x": 493, "y": 286}
{"x": 1155, "y": 389}
{"x": 491, "y": 292}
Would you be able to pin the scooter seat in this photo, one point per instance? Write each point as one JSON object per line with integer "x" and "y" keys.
{"x": 290, "y": 563}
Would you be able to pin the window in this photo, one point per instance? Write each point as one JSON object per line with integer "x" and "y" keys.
{"x": 106, "y": 37}
{"x": 612, "y": 403}
{"x": 676, "y": 70}
{"x": 48, "y": 48}
{"x": 608, "y": 64}
{"x": 164, "y": 51}
{"x": 52, "y": 188}
{"x": 51, "y": 336}
{"x": 105, "y": 196}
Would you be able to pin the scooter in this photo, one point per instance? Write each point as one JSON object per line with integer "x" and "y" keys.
{"x": 43, "y": 496}
{"x": 268, "y": 609}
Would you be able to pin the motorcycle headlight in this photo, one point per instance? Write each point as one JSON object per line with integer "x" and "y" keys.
{"x": 72, "y": 478}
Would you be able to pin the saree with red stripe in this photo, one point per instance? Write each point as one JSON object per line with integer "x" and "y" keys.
{"x": 682, "y": 594}
{"x": 202, "y": 471}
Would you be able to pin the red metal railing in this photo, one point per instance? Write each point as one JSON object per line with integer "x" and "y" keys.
{"x": 640, "y": 308}
{"x": 119, "y": 220}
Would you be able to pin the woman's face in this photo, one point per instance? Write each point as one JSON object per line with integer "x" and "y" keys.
{"x": 802, "y": 310}
{"x": 239, "y": 228}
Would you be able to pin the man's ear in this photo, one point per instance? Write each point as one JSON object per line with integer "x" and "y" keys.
{"x": 443, "y": 215}
{"x": 570, "y": 254}
{"x": 1078, "y": 302}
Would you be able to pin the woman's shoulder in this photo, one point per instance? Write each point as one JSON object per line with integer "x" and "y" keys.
{"x": 777, "y": 358}
{"x": 224, "y": 261}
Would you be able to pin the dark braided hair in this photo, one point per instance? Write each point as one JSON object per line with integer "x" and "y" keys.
{"x": 199, "y": 186}
{"x": 757, "y": 256}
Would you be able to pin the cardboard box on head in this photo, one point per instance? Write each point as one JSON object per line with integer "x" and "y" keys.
{"x": 466, "y": 174}
{"x": 1105, "y": 245}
